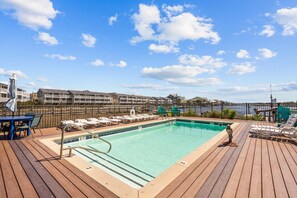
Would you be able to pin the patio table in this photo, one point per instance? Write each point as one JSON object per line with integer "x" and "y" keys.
{"x": 12, "y": 120}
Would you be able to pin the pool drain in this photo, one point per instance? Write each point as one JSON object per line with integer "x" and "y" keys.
{"x": 183, "y": 163}
{"x": 89, "y": 168}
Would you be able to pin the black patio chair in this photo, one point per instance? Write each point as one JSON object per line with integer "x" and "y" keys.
{"x": 34, "y": 124}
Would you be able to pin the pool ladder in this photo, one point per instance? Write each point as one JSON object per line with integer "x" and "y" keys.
{"x": 67, "y": 126}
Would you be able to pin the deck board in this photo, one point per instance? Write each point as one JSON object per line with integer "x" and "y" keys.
{"x": 192, "y": 187}
{"x": 287, "y": 175}
{"x": 84, "y": 188}
{"x": 11, "y": 185}
{"x": 267, "y": 184}
{"x": 2, "y": 186}
{"x": 230, "y": 190}
{"x": 204, "y": 177}
{"x": 256, "y": 180}
{"x": 218, "y": 189}
{"x": 278, "y": 181}
{"x": 257, "y": 168}
{"x": 64, "y": 182}
{"x": 175, "y": 189}
{"x": 23, "y": 181}
{"x": 45, "y": 184}
{"x": 38, "y": 183}
{"x": 88, "y": 180}
{"x": 216, "y": 179}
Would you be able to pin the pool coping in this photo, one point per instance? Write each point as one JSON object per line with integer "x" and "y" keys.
{"x": 155, "y": 186}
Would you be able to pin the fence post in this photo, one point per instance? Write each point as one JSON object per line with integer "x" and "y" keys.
{"x": 222, "y": 108}
{"x": 246, "y": 111}
{"x": 61, "y": 111}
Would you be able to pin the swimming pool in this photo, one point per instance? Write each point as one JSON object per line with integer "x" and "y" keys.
{"x": 140, "y": 155}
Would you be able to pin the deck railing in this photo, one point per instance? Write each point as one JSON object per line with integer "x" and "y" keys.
{"x": 54, "y": 114}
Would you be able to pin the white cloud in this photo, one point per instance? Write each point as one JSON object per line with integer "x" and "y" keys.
{"x": 8, "y": 73}
{"x": 165, "y": 48}
{"x": 187, "y": 27}
{"x": 243, "y": 90}
{"x": 180, "y": 75}
{"x": 196, "y": 81}
{"x": 172, "y": 10}
{"x": 187, "y": 71}
{"x": 172, "y": 71}
{"x": 60, "y": 57}
{"x": 150, "y": 86}
{"x": 31, "y": 84}
{"x": 221, "y": 52}
{"x": 47, "y": 39}
{"x": 88, "y": 40}
{"x": 205, "y": 61}
{"x": 266, "y": 53}
{"x": 121, "y": 64}
{"x": 292, "y": 86}
{"x": 183, "y": 26}
{"x": 42, "y": 79}
{"x": 32, "y": 14}
{"x": 148, "y": 15}
{"x": 287, "y": 18}
{"x": 112, "y": 19}
{"x": 268, "y": 31}
{"x": 242, "y": 68}
{"x": 242, "y": 54}
{"x": 97, "y": 63}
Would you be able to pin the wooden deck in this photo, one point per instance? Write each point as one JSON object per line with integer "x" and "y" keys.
{"x": 256, "y": 168}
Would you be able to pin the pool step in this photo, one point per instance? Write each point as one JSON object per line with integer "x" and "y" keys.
{"x": 121, "y": 170}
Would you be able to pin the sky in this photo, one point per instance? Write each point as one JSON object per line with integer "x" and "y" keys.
{"x": 227, "y": 50}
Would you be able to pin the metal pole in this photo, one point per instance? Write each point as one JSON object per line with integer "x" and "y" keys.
{"x": 246, "y": 112}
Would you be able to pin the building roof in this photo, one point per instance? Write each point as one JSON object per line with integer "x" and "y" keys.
{"x": 87, "y": 92}
{"x": 53, "y": 91}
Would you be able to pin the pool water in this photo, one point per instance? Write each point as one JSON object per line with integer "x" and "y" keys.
{"x": 139, "y": 156}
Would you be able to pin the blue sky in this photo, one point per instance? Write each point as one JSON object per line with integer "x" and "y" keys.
{"x": 222, "y": 50}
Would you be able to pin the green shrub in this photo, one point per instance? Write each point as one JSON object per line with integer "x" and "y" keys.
{"x": 229, "y": 113}
{"x": 225, "y": 113}
{"x": 252, "y": 117}
{"x": 190, "y": 112}
{"x": 232, "y": 114}
{"x": 212, "y": 114}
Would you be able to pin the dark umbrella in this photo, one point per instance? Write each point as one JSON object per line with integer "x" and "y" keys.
{"x": 11, "y": 104}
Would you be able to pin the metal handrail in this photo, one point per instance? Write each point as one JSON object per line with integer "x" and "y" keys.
{"x": 80, "y": 147}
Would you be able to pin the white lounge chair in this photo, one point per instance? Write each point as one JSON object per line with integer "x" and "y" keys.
{"x": 100, "y": 122}
{"x": 111, "y": 120}
{"x": 137, "y": 117}
{"x": 153, "y": 116}
{"x": 87, "y": 122}
{"x": 120, "y": 118}
{"x": 273, "y": 132}
{"x": 73, "y": 124}
{"x": 128, "y": 119}
{"x": 290, "y": 123}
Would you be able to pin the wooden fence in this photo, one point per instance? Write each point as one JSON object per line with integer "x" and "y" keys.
{"x": 54, "y": 114}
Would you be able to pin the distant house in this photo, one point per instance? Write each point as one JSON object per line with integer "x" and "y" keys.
{"x": 22, "y": 95}
{"x": 125, "y": 99}
{"x": 176, "y": 99}
{"x": 57, "y": 96}
{"x": 89, "y": 97}
{"x": 54, "y": 96}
